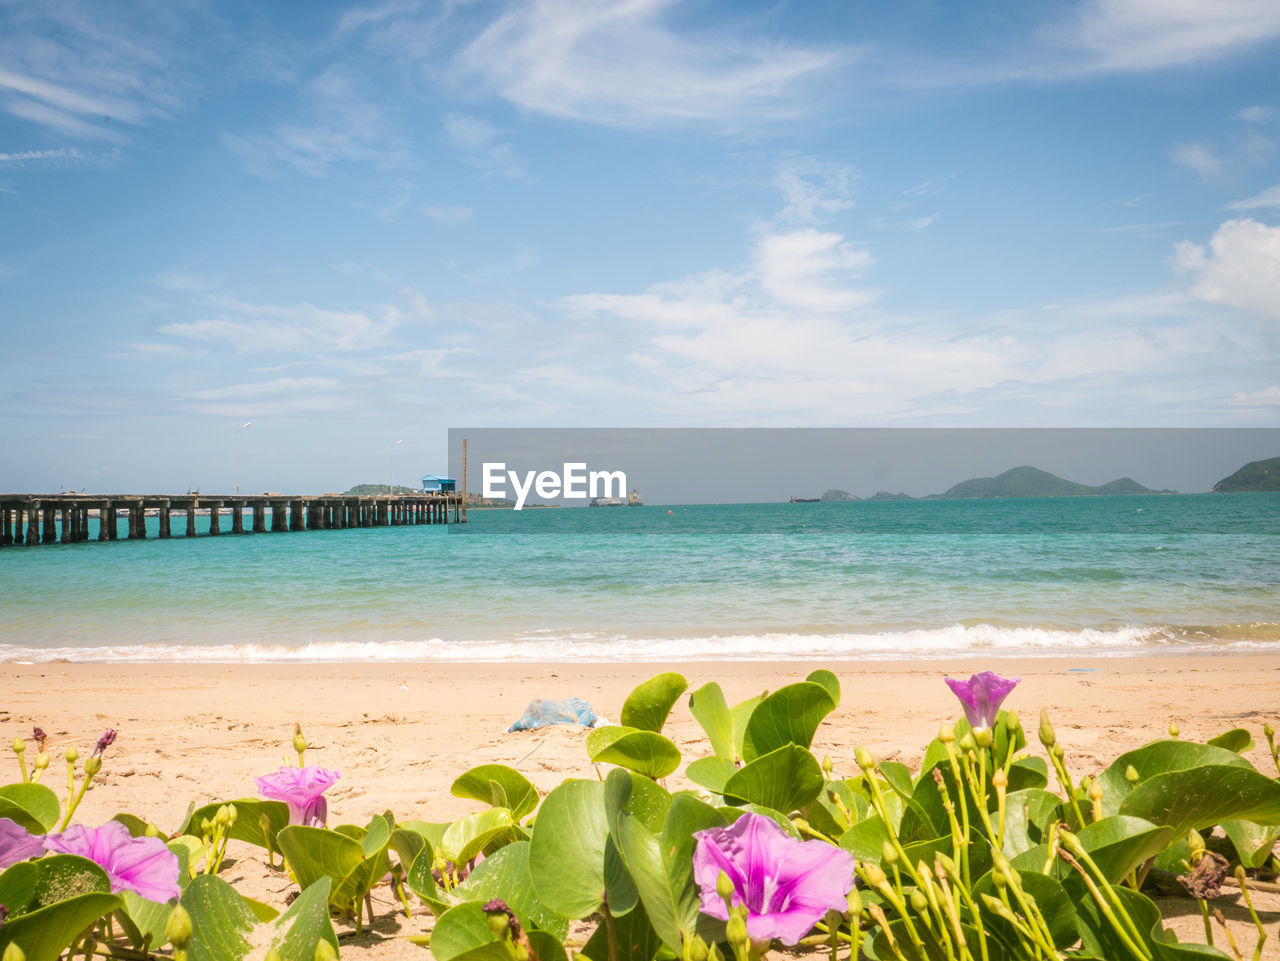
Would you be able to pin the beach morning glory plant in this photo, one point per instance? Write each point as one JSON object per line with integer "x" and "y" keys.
{"x": 302, "y": 788}
{"x": 981, "y": 696}
{"x": 142, "y": 865}
{"x": 17, "y": 844}
{"x": 786, "y": 885}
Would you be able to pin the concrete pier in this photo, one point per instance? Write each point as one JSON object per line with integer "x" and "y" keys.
{"x": 27, "y": 520}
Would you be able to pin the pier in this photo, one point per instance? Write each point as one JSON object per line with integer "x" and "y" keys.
{"x": 33, "y": 519}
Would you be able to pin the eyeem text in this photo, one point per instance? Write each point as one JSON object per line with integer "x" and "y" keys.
{"x": 574, "y": 482}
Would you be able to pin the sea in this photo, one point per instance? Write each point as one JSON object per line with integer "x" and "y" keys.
{"x": 1069, "y": 576}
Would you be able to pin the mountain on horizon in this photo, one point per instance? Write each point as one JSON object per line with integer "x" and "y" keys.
{"x": 1258, "y": 475}
{"x": 1033, "y": 482}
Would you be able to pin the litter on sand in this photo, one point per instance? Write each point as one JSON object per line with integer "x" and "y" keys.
{"x": 542, "y": 713}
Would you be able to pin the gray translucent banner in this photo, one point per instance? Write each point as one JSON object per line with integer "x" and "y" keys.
{"x": 677, "y": 466}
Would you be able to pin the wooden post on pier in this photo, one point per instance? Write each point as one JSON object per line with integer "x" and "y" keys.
{"x": 191, "y": 519}
{"x": 259, "y": 517}
{"x": 237, "y": 517}
{"x": 166, "y": 520}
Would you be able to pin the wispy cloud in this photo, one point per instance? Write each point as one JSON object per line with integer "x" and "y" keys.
{"x": 1199, "y": 159}
{"x": 267, "y": 388}
{"x": 249, "y": 328}
{"x": 1152, "y": 228}
{"x": 61, "y": 158}
{"x": 92, "y": 71}
{"x": 1270, "y": 397}
{"x": 483, "y": 147}
{"x": 1259, "y": 114}
{"x": 625, "y": 62}
{"x": 1267, "y": 198}
{"x": 447, "y": 213}
{"x": 815, "y": 191}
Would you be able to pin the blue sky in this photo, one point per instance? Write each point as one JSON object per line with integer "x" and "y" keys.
{"x": 357, "y": 224}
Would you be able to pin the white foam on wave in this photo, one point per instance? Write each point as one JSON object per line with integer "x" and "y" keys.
{"x": 551, "y": 646}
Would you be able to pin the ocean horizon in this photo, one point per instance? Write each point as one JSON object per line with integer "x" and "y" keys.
{"x": 1109, "y": 575}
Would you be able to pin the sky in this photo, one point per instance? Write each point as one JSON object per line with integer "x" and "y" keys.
{"x": 351, "y": 225}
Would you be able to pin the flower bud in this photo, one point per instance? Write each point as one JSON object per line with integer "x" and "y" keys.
{"x": 177, "y": 929}
{"x": 1000, "y": 780}
{"x": 1173, "y": 729}
{"x": 967, "y": 743}
{"x": 1195, "y": 842}
{"x": 1013, "y": 724}
{"x": 499, "y": 924}
{"x": 735, "y": 929}
{"x": 864, "y": 759}
{"x": 222, "y": 818}
{"x": 698, "y": 950}
{"x": 918, "y": 901}
{"x": 947, "y": 733}
{"x": 1131, "y": 774}
{"x": 983, "y": 737}
{"x": 875, "y": 877}
{"x": 724, "y": 888}
{"x": 945, "y": 865}
{"x": 1095, "y": 791}
{"x": 72, "y": 755}
{"x": 92, "y": 765}
{"x": 827, "y": 765}
{"x": 889, "y": 854}
{"x": 1268, "y": 731}
{"x": 1057, "y": 751}
{"x": 19, "y": 746}
{"x": 325, "y": 951}
{"x": 1047, "y": 737}
{"x": 42, "y": 760}
{"x": 855, "y": 904}
{"x": 999, "y": 878}
{"x": 13, "y": 953}
{"x": 299, "y": 742}
{"x": 522, "y": 953}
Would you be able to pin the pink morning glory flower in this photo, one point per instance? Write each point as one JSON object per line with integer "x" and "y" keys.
{"x": 302, "y": 788}
{"x": 17, "y": 844}
{"x": 982, "y": 695}
{"x": 786, "y": 885}
{"x": 142, "y": 865}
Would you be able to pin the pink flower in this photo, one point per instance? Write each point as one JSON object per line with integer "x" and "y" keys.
{"x": 982, "y": 695}
{"x": 786, "y": 885}
{"x": 17, "y": 844}
{"x": 142, "y": 865}
{"x": 302, "y": 788}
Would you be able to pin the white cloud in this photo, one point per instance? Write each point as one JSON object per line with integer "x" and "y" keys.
{"x": 62, "y": 158}
{"x": 1137, "y": 35}
{"x": 807, "y": 268}
{"x": 448, "y": 213}
{"x": 482, "y": 147}
{"x": 1267, "y": 198}
{"x": 1259, "y": 114}
{"x": 815, "y": 191}
{"x": 622, "y": 62}
{"x": 1262, "y": 398}
{"x": 1240, "y": 267}
{"x": 281, "y": 385}
{"x": 302, "y": 328}
{"x": 1199, "y": 159}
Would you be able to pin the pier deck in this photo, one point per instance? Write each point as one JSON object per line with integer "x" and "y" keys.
{"x": 32, "y": 519}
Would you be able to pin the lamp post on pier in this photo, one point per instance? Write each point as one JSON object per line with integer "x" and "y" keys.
{"x": 247, "y": 423}
{"x": 391, "y": 487}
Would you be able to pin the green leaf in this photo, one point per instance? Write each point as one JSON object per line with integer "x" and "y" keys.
{"x": 1052, "y": 900}
{"x": 712, "y": 773}
{"x": 422, "y": 882}
{"x": 785, "y": 779}
{"x": 499, "y": 786}
{"x": 827, "y": 680}
{"x": 1205, "y": 796}
{"x": 45, "y": 933}
{"x": 248, "y": 826}
{"x": 1238, "y": 740}
{"x": 648, "y": 706}
{"x": 741, "y": 715}
{"x": 33, "y": 806}
{"x": 221, "y": 921}
{"x": 484, "y": 832}
{"x": 1157, "y": 758}
{"x": 790, "y": 715}
{"x": 462, "y": 934}
{"x": 644, "y": 752}
{"x": 709, "y": 708}
{"x": 506, "y": 876}
{"x": 662, "y": 865}
{"x": 317, "y": 853}
{"x": 1253, "y": 842}
{"x": 566, "y": 852}
{"x": 1099, "y": 939}
{"x": 136, "y": 826}
{"x": 143, "y": 920}
{"x": 18, "y": 886}
{"x": 1119, "y": 843}
{"x": 1029, "y": 813}
{"x": 65, "y": 876}
{"x": 304, "y": 924}
{"x": 636, "y": 939}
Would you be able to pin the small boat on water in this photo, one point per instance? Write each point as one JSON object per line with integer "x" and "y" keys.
{"x": 634, "y": 500}
{"x": 805, "y": 500}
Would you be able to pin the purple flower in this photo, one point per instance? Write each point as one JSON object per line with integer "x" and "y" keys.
{"x": 982, "y": 696}
{"x": 142, "y": 865}
{"x": 16, "y": 844}
{"x": 302, "y": 788}
{"x": 786, "y": 885}
{"x": 104, "y": 742}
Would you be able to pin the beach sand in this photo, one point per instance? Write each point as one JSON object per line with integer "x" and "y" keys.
{"x": 401, "y": 733}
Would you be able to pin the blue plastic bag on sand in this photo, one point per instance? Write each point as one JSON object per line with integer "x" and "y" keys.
{"x": 542, "y": 713}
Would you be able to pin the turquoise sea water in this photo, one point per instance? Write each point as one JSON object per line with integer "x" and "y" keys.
{"x": 1137, "y": 574}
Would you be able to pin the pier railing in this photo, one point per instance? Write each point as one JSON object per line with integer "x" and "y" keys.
{"x": 31, "y": 519}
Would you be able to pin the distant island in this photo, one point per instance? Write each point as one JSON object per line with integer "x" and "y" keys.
{"x": 1258, "y": 475}
{"x": 373, "y": 490}
{"x": 1033, "y": 482}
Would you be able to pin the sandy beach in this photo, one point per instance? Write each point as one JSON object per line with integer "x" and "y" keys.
{"x": 401, "y": 733}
